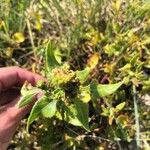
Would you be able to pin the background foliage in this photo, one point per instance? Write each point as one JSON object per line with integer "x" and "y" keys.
{"x": 82, "y": 44}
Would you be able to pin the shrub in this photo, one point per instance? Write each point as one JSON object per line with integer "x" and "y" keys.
{"x": 96, "y": 61}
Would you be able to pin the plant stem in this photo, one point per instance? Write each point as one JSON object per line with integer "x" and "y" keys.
{"x": 31, "y": 38}
{"x": 136, "y": 117}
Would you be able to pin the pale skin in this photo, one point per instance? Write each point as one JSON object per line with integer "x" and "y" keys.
{"x": 11, "y": 80}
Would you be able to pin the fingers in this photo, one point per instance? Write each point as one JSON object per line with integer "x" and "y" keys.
{"x": 11, "y": 76}
{"x": 10, "y": 114}
{"x": 10, "y": 117}
{"x": 17, "y": 113}
{"x": 8, "y": 95}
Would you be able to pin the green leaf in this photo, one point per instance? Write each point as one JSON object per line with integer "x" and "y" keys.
{"x": 102, "y": 90}
{"x": 58, "y": 55}
{"x": 27, "y": 97}
{"x": 50, "y": 110}
{"x": 52, "y": 57}
{"x": 71, "y": 115}
{"x": 43, "y": 106}
{"x": 120, "y": 106}
{"x": 105, "y": 111}
{"x": 76, "y": 114}
{"x": 36, "y": 109}
{"x": 82, "y": 75}
{"x": 82, "y": 113}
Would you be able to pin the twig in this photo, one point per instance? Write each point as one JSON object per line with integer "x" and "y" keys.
{"x": 79, "y": 137}
{"x": 31, "y": 38}
{"x": 56, "y": 144}
{"x": 92, "y": 136}
{"x": 136, "y": 117}
{"x": 25, "y": 55}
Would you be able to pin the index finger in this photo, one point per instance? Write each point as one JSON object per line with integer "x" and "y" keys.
{"x": 11, "y": 76}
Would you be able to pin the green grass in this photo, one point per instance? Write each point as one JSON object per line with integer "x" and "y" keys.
{"x": 118, "y": 31}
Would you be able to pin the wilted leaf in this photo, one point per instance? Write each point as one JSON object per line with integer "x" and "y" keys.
{"x": 93, "y": 60}
{"x": 122, "y": 119}
{"x": 110, "y": 120}
{"x": 118, "y": 4}
{"x": 146, "y": 99}
{"x": 85, "y": 96}
{"x": 109, "y": 68}
{"x": 9, "y": 52}
{"x": 134, "y": 38}
{"x": 95, "y": 39}
{"x": 60, "y": 75}
{"x": 18, "y": 37}
{"x": 135, "y": 82}
{"x": 112, "y": 49}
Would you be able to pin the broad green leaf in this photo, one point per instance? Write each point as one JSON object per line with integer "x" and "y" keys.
{"x": 37, "y": 108}
{"x": 120, "y": 106}
{"x": 76, "y": 114}
{"x": 50, "y": 110}
{"x": 69, "y": 115}
{"x": 52, "y": 59}
{"x": 82, "y": 75}
{"x": 43, "y": 106}
{"x": 82, "y": 113}
{"x": 102, "y": 90}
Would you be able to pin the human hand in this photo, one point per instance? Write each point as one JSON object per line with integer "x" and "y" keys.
{"x": 11, "y": 79}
